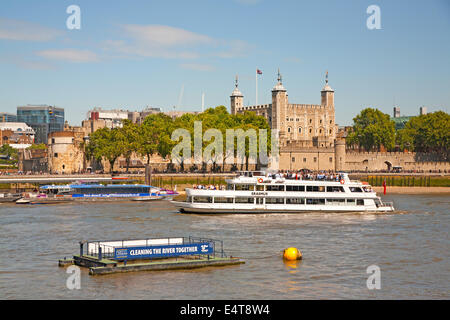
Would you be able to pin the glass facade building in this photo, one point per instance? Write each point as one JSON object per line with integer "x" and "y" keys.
{"x": 43, "y": 119}
{"x": 7, "y": 117}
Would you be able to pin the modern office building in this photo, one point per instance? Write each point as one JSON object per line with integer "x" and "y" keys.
{"x": 7, "y": 117}
{"x": 43, "y": 119}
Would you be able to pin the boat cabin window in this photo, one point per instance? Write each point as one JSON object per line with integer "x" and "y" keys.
{"x": 295, "y": 201}
{"x": 244, "y": 187}
{"x": 315, "y": 188}
{"x": 275, "y": 187}
{"x": 351, "y": 202}
{"x": 360, "y": 202}
{"x": 355, "y": 189}
{"x": 203, "y": 199}
{"x": 223, "y": 200}
{"x": 377, "y": 203}
{"x": 244, "y": 200}
{"x": 335, "y": 189}
{"x": 274, "y": 200}
{"x": 315, "y": 201}
{"x": 336, "y": 202}
{"x": 230, "y": 186}
{"x": 295, "y": 188}
{"x": 259, "y": 187}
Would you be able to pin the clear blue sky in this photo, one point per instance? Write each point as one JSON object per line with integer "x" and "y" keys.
{"x": 130, "y": 54}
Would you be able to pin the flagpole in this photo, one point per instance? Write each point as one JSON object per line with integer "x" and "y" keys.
{"x": 256, "y": 78}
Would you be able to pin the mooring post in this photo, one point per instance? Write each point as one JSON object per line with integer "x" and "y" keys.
{"x": 99, "y": 253}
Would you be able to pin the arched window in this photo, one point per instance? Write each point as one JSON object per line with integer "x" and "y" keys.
{"x": 299, "y": 130}
{"x": 289, "y": 129}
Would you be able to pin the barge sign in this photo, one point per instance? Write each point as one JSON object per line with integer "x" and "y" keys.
{"x": 130, "y": 253}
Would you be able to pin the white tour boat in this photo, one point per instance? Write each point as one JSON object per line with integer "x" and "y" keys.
{"x": 256, "y": 192}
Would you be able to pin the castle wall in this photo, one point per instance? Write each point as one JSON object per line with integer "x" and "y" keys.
{"x": 379, "y": 161}
{"x": 307, "y": 158}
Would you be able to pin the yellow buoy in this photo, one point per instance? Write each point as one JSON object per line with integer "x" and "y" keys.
{"x": 292, "y": 254}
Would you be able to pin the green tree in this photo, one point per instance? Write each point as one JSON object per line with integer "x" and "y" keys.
{"x": 371, "y": 130}
{"x": 105, "y": 143}
{"x": 127, "y": 137}
{"x": 427, "y": 133}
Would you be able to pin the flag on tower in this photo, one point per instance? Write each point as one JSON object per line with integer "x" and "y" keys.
{"x": 258, "y": 71}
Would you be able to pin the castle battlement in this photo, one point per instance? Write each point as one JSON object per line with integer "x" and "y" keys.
{"x": 305, "y": 106}
{"x": 254, "y": 108}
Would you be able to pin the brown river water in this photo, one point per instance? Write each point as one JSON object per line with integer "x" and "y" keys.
{"x": 411, "y": 248}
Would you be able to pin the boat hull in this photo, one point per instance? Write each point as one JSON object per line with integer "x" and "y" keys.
{"x": 185, "y": 207}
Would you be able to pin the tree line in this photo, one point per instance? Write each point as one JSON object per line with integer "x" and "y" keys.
{"x": 154, "y": 136}
{"x": 373, "y": 129}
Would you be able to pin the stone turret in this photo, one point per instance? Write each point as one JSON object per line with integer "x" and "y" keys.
{"x": 327, "y": 94}
{"x": 279, "y": 108}
{"x": 237, "y": 98}
{"x": 339, "y": 149}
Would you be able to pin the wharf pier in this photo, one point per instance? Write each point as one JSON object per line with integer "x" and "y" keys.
{"x": 119, "y": 256}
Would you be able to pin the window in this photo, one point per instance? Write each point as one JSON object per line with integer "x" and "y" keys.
{"x": 315, "y": 159}
{"x": 274, "y": 200}
{"x": 203, "y": 199}
{"x": 56, "y": 155}
{"x": 223, "y": 200}
{"x": 244, "y": 200}
{"x": 310, "y": 120}
{"x": 336, "y": 202}
{"x": 360, "y": 202}
{"x": 315, "y": 188}
{"x": 351, "y": 202}
{"x": 289, "y": 129}
{"x": 304, "y": 159}
{"x": 310, "y": 130}
{"x": 259, "y": 187}
{"x": 295, "y": 201}
{"x": 299, "y": 130}
{"x": 335, "y": 189}
{"x": 295, "y": 188}
{"x": 293, "y": 159}
{"x": 315, "y": 201}
{"x": 244, "y": 187}
{"x": 355, "y": 189}
{"x": 331, "y": 159}
{"x": 275, "y": 188}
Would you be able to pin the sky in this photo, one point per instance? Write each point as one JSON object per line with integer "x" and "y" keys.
{"x": 133, "y": 54}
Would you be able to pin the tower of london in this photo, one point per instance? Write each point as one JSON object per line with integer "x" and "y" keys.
{"x": 299, "y": 125}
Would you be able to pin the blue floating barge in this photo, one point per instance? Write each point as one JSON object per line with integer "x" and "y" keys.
{"x": 116, "y": 256}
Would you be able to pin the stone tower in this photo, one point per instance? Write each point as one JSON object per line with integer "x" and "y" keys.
{"x": 327, "y": 103}
{"x": 339, "y": 152}
{"x": 279, "y": 106}
{"x": 327, "y": 95}
{"x": 237, "y": 99}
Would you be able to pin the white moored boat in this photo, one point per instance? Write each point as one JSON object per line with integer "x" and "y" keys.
{"x": 256, "y": 192}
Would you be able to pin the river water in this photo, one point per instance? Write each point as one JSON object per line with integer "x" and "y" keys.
{"x": 411, "y": 248}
